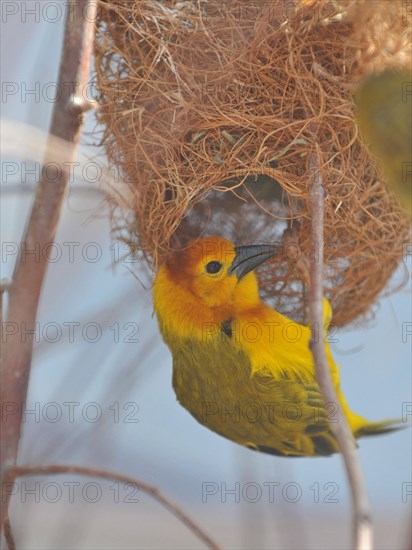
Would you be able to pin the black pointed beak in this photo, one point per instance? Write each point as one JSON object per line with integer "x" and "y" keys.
{"x": 250, "y": 257}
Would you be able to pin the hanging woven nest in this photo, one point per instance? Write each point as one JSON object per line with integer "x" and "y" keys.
{"x": 211, "y": 112}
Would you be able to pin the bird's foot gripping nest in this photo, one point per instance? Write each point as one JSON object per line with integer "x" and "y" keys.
{"x": 294, "y": 254}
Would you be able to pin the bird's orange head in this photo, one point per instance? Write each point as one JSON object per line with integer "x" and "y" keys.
{"x": 209, "y": 280}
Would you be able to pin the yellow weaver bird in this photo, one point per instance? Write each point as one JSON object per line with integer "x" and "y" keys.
{"x": 241, "y": 368}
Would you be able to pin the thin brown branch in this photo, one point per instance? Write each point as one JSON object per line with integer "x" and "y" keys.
{"x": 12, "y": 474}
{"x": 40, "y": 231}
{"x": 361, "y": 510}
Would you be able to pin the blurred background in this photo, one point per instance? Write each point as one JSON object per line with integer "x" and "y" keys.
{"x": 100, "y": 389}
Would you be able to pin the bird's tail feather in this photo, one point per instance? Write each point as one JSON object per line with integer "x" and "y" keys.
{"x": 377, "y": 428}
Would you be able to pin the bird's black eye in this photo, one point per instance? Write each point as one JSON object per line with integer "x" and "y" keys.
{"x": 213, "y": 267}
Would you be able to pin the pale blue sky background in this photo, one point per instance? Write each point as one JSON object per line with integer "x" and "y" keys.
{"x": 167, "y": 447}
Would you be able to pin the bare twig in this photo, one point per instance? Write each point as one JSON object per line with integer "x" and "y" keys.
{"x": 12, "y": 474}
{"x": 40, "y": 231}
{"x": 361, "y": 509}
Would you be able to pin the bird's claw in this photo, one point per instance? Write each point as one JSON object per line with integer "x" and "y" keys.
{"x": 294, "y": 253}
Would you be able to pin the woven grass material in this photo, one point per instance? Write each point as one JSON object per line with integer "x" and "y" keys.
{"x": 211, "y": 111}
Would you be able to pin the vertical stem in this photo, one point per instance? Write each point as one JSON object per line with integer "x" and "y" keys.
{"x": 31, "y": 265}
{"x": 361, "y": 510}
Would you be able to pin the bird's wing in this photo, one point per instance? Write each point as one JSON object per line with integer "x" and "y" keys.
{"x": 280, "y": 415}
{"x": 302, "y": 424}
